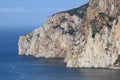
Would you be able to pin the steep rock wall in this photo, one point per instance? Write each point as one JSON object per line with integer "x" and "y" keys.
{"x": 88, "y": 36}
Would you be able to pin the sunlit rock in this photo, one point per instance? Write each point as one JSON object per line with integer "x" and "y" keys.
{"x": 88, "y": 36}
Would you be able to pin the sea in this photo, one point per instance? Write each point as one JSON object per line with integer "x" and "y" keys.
{"x": 15, "y": 67}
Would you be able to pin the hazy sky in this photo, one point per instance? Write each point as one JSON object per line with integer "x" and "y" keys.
{"x": 32, "y": 12}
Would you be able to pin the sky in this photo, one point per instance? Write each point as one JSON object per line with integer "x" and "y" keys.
{"x": 23, "y": 13}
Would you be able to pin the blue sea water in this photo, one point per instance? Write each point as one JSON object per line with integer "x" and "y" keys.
{"x": 14, "y": 67}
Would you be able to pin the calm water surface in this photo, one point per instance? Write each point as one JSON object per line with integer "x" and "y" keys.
{"x": 14, "y": 67}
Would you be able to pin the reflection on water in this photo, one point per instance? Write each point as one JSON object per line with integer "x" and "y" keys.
{"x": 29, "y": 68}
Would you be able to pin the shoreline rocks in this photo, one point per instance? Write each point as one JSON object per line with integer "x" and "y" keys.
{"x": 87, "y": 36}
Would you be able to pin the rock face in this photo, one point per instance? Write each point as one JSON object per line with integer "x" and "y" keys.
{"x": 88, "y": 36}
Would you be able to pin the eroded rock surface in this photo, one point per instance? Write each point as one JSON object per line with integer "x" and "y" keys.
{"x": 88, "y": 36}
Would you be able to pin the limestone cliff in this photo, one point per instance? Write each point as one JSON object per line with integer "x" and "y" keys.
{"x": 88, "y": 36}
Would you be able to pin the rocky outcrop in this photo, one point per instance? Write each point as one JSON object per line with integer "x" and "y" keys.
{"x": 88, "y": 36}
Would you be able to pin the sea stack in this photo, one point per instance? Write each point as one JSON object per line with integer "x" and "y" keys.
{"x": 85, "y": 37}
